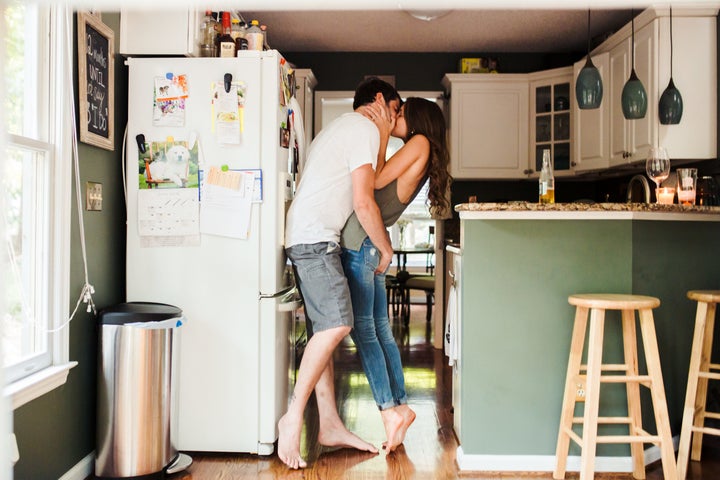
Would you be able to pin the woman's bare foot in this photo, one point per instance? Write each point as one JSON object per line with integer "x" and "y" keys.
{"x": 336, "y": 435}
{"x": 393, "y": 423}
{"x": 408, "y": 418}
{"x": 289, "y": 442}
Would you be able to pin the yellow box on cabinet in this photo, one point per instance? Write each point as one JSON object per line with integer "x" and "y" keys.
{"x": 472, "y": 65}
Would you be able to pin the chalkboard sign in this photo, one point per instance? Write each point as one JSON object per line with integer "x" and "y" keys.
{"x": 96, "y": 74}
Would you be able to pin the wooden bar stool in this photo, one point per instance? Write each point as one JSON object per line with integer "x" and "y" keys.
{"x": 700, "y": 371}
{"x": 587, "y": 389}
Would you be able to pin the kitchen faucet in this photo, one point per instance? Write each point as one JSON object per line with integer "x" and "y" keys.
{"x": 645, "y": 185}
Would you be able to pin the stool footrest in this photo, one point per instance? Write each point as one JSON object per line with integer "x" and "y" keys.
{"x": 642, "y": 437}
{"x": 708, "y": 430}
{"x": 606, "y": 420}
{"x": 643, "y": 379}
{"x": 609, "y": 367}
{"x": 713, "y": 415}
{"x": 629, "y": 439}
{"x": 710, "y": 375}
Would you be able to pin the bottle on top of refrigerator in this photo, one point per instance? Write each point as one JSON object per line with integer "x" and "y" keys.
{"x": 254, "y": 36}
{"x": 235, "y": 30}
{"x": 547, "y": 179}
{"x": 225, "y": 43}
{"x": 207, "y": 35}
{"x": 241, "y": 42}
{"x": 218, "y": 23}
{"x": 264, "y": 32}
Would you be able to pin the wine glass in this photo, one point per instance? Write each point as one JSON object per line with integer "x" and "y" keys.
{"x": 658, "y": 165}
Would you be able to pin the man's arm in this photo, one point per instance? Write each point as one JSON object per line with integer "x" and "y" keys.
{"x": 380, "y": 115}
{"x": 368, "y": 213}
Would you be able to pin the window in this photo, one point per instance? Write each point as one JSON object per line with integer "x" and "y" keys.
{"x": 35, "y": 186}
{"x": 416, "y": 221}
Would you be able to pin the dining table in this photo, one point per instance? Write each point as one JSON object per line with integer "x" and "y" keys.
{"x": 401, "y": 253}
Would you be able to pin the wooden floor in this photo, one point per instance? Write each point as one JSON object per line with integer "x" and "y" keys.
{"x": 430, "y": 445}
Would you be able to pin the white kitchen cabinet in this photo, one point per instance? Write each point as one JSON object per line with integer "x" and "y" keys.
{"x": 160, "y": 32}
{"x": 631, "y": 139}
{"x": 591, "y": 127}
{"x": 604, "y": 138}
{"x": 488, "y": 125}
{"x": 550, "y": 119}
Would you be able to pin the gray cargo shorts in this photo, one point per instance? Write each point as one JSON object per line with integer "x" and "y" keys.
{"x": 324, "y": 288}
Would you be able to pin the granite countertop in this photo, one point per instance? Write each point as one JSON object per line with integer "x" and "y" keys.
{"x": 583, "y": 207}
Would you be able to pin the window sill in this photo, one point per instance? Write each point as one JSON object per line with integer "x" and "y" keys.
{"x": 23, "y": 391}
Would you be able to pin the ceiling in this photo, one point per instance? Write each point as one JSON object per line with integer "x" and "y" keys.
{"x": 489, "y": 30}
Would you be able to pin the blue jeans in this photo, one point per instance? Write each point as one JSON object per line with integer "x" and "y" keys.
{"x": 373, "y": 337}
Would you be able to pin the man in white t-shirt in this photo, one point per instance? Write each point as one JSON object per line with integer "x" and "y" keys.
{"x": 339, "y": 177}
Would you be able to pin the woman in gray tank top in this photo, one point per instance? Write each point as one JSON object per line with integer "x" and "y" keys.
{"x": 421, "y": 125}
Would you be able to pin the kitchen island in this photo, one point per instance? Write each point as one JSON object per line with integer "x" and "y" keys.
{"x": 519, "y": 263}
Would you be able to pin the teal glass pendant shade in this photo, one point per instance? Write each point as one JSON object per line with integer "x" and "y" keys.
{"x": 670, "y": 109}
{"x": 588, "y": 86}
{"x": 634, "y": 98}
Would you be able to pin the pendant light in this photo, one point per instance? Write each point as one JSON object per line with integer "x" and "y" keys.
{"x": 671, "y": 104}
{"x": 634, "y": 98}
{"x": 588, "y": 86}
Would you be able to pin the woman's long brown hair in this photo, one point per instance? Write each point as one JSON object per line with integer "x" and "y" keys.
{"x": 424, "y": 117}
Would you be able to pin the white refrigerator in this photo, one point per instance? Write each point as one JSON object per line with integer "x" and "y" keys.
{"x": 235, "y": 291}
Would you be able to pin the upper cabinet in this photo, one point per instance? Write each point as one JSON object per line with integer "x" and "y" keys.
{"x": 604, "y": 138}
{"x": 550, "y": 119}
{"x": 630, "y": 140}
{"x": 500, "y": 124}
{"x": 488, "y": 125}
{"x": 176, "y": 34}
{"x": 591, "y": 127}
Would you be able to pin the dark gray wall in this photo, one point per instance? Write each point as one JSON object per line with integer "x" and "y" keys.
{"x": 57, "y": 430}
{"x": 413, "y": 71}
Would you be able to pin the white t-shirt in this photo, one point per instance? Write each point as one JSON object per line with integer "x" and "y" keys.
{"x": 324, "y": 198}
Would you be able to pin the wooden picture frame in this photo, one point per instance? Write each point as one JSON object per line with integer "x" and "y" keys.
{"x": 96, "y": 81}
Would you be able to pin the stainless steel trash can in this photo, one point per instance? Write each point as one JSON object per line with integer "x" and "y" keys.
{"x": 136, "y": 420}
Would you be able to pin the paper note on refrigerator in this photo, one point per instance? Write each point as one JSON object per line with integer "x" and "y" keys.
{"x": 226, "y": 210}
{"x": 170, "y": 95}
{"x": 168, "y": 212}
{"x": 228, "y": 120}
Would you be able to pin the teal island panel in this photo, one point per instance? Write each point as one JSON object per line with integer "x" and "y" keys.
{"x": 516, "y": 321}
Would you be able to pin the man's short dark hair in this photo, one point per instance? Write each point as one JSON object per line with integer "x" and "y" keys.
{"x": 368, "y": 88}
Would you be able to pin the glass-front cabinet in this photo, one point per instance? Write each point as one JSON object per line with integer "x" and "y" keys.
{"x": 550, "y": 97}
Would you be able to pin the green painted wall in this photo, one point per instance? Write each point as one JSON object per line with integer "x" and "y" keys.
{"x": 57, "y": 430}
{"x": 517, "y": 324}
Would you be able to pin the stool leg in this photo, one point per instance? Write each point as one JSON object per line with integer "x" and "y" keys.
{"x": 633, "y": 391}
{"x": 568, "y": 406}
{"x": 429, "y": 303}
{"x": 696, "y": 354}
{"x": 657, "y": 390}
{"x": 701, "y": 398}
{"x": 592, "y": 398}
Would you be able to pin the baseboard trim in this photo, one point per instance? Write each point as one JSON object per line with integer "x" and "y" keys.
{"x": 82, "y": 470}
{"x": 546, "y": 463}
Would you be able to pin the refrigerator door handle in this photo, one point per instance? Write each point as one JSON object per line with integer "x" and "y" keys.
{"x": 281, "y": 293}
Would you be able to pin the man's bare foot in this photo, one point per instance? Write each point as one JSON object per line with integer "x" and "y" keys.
{"x": 289, "y": 442}
{"x": 408, "y": 418}
{"x": 339, "y": 436}
{"x": 393, "y": 422}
